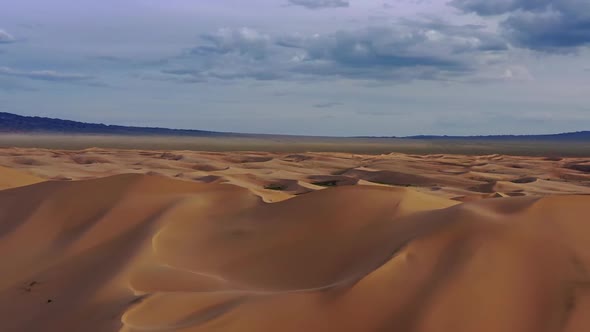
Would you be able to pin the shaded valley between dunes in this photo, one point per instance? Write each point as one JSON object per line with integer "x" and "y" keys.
{"x": 163, "y": 241}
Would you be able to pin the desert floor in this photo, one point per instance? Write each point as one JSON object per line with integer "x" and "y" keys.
{"x": 143, "y": 240}
{"x": 297, "y": 144}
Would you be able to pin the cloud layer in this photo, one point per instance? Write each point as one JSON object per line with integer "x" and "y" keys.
{"x": 543, "y": 25}
{"x": 319, "y": 4}
{"x": 44, "y": 75}
{"x": 430, "y": 50}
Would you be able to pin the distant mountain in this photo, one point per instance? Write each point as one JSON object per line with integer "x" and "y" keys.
{"x": 574, "y": 136}
{"x": 13, "y": 123}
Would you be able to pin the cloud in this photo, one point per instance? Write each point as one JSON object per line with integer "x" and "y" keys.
{"x": 188, "y": 75}
{"x": 489, "y": 8}
{"x": 110, "y": 58}
{"x": 280, "y": 94}
{"x": 413, "y": 50}
{"x": 517, "y": 73}
{"x": 6, "y": 38}
{"x": 542, "y": 25}
{"x": 126, "y": 61}
{"x": 228, "y": 54}
{"x": 320, "y": 4}
{"x": 327, "y": 105}
{"x": 551, "y": 31}
{"x": 379, "y": 113}
{"x": 44, "y": 75}
{"x": 243, "y": 41}
{"x": 410, "y": 50}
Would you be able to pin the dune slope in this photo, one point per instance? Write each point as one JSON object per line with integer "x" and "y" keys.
{"x": 10, "y": 178}
{"x": 140, "y": 253}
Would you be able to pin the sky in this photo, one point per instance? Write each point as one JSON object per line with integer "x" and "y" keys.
{"x": 309, "y": 67}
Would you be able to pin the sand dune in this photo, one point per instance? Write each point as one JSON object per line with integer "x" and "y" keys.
{"x": 280, "y": 176}
{"x": 10, "y": 178}
{"x": 337, "y": 250}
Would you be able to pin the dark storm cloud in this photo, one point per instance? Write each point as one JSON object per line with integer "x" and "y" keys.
{"x": 6, "y": 38}
{"x": 549, "y": 31}
{"x": 319, "y": 4}
{"x": 544, "y": 25}
{"x": 431, "y": 50}
{"x": 44, "y": 75}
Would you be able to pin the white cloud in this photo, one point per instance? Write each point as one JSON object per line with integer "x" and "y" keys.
{"x": 6, "y": 38}
{"x": 44, "y": 75}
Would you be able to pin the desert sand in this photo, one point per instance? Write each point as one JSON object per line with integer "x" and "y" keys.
{"x": 133, "y": 241}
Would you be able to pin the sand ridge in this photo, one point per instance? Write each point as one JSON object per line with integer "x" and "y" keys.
{"x": 280, "y": 176}
{"x": 122, "y": 250}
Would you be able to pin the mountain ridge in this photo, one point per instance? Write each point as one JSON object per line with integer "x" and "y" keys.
{"x": 14, "y": 123}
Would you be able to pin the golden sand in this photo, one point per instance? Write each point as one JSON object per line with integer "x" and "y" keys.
{"x": 189, "y": 241}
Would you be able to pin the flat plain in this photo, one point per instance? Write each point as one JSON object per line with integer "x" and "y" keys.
{"x": 282, "y": 143}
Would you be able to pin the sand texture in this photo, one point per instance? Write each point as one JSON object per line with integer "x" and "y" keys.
{"x": 158, "y": 241}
